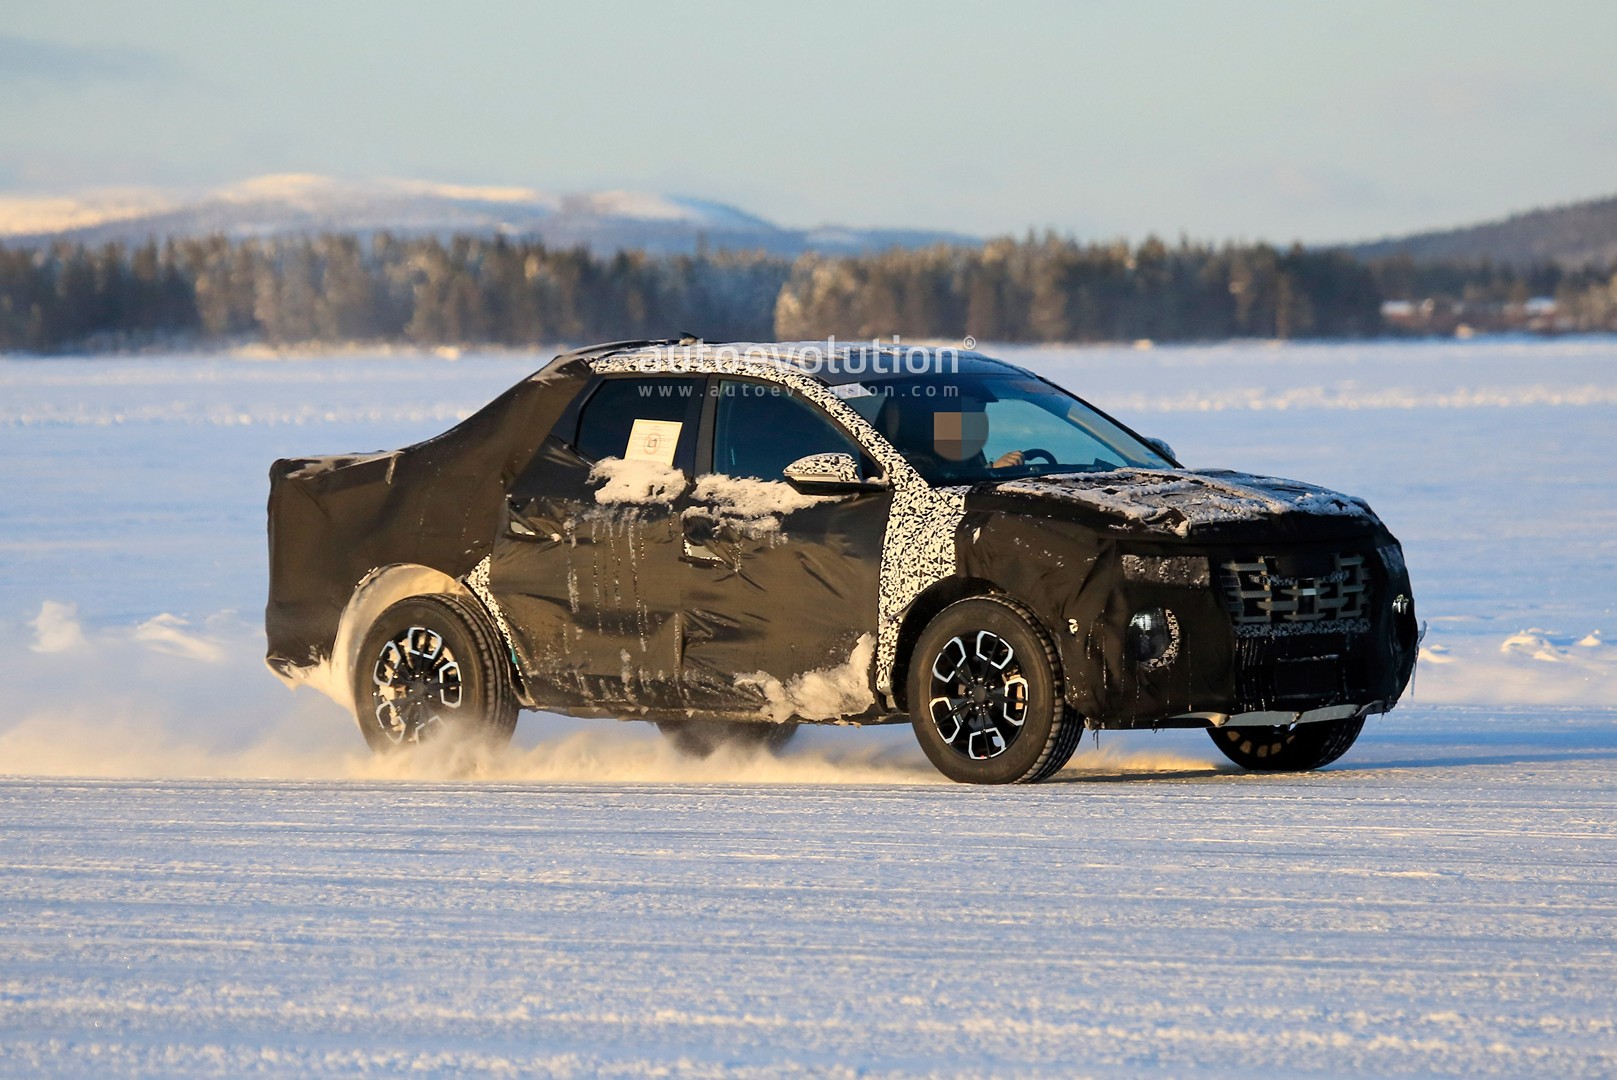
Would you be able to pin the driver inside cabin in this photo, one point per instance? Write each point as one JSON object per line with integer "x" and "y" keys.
{"x": 958, "y": 430}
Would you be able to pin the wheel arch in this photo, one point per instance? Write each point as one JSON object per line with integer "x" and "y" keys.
{"x": 377, "y": 591}
{"x": 922, "y": 610}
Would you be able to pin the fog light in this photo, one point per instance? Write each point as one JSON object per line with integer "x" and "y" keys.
{"x": 1153, "y": 636}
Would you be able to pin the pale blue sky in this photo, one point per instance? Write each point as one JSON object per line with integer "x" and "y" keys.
{"x": 1317, "y": 121}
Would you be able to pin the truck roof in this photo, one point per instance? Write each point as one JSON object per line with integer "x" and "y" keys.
{"x": 831, "y": 362}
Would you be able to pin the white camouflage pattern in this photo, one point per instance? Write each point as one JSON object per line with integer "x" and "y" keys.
{"x": 919, "y": 547}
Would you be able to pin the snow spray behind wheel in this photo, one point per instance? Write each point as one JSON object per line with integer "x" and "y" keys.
{"x": 170, "y": 699}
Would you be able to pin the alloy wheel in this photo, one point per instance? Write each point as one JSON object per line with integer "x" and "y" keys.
{"x": 979, "y": 695}
{"x": 417, "y": 683}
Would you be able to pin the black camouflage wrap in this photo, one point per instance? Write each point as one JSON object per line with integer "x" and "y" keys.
{"x": 439, "y": 503}
{"x": 1085, "y": 572}
{"x": 736, "y": 631}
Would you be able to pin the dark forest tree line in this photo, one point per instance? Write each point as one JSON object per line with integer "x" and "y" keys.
{"x": 471, "y": 291}
{"x": 1055, "y": 289}
{"x": 1500, "y": 296}
{"x": 340, "y": 288}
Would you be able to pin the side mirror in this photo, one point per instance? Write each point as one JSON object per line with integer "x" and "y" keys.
{"x": 1161, "y": 446}
{"x": 829, "y": 474}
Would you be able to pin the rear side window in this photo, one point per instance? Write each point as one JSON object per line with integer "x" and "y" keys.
{"x": 760, "y": 428}
{"x": 651, "y": 418}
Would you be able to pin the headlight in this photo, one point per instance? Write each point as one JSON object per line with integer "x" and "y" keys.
{"x": 1153, "y": 637}
{"x": 1403, "y": 621}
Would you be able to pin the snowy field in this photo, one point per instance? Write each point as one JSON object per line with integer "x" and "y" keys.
{"x": 202, "y": 874}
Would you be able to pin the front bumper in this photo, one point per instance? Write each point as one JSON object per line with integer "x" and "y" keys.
{"x": 1319, "y": 645}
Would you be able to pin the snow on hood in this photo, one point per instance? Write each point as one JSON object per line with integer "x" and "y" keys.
{"x": 1177, "y": 501}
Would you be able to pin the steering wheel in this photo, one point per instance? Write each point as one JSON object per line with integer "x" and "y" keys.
{"x": 1036, "y": 452}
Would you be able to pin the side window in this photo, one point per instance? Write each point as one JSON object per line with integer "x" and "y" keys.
{"x": 760, "y": 428}
{"x": 654, "y": 418}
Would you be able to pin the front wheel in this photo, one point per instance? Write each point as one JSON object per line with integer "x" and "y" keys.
{"x": 433, "y": 667}
{"x": 1297, "y": 748}
{"x": 985, "y": 695}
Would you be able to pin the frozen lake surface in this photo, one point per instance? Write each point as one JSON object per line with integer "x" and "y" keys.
{"x": 202, "y": 874}
{"x": 1444, "y": 903}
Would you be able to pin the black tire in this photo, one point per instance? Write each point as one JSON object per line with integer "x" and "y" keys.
{"x": 432, "y": 667}
{"x": 1297, "y": 748}
{"x": 986, "y": 695}
{"x": 701, "y": 738}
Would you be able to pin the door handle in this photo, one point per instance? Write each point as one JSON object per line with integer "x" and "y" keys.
{"x": 697, "y": 531}
{"x": 519, "y": 511}
{"x": 697, "y": 527}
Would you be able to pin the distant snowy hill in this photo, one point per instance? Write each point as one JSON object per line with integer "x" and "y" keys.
{"x": 297, "y": 204}
{"x": 1573, "y": 236}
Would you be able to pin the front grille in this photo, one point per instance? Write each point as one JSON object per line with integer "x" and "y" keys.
{"x": 1265, "y": 602}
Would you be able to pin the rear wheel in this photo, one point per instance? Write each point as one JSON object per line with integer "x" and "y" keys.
{"x": 701, "y": 738}
{"x": 432, "y": 667}
{"x": 986, "y": 697}
{"x": 1297, "y": 748}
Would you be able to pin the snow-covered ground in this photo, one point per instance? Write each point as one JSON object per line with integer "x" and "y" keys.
{"x": 241, "y": 890}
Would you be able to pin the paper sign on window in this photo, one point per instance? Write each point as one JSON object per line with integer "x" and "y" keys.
{"x": 653, "y": 440}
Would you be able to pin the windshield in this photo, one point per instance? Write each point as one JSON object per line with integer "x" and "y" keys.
{"x": 959, "y": 429}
